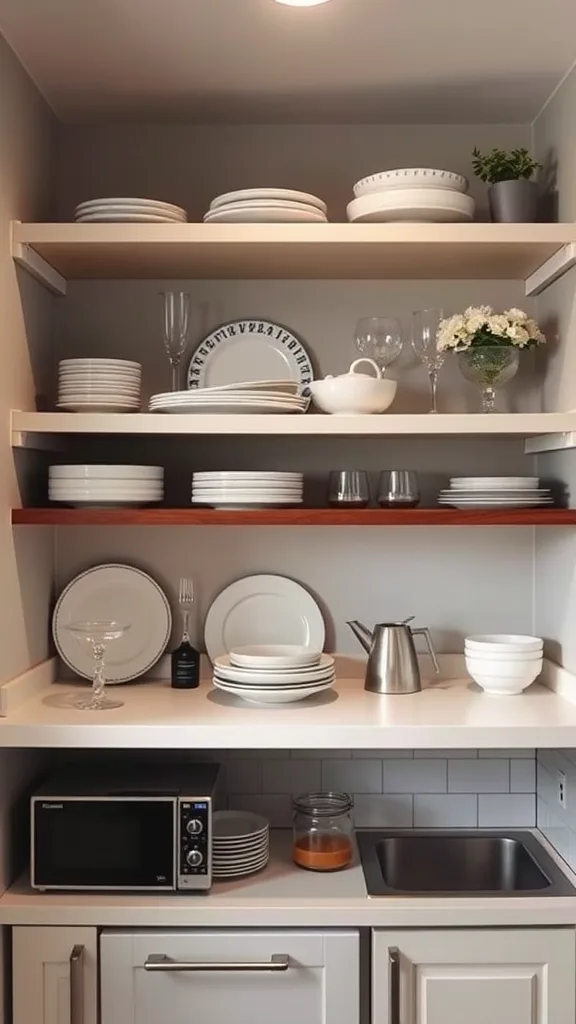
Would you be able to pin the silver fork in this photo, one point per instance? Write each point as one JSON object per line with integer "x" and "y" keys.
{"x": 186, "y": 602}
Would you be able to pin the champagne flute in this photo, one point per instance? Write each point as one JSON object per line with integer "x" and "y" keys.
{"x": 98, "y": 635}
{"x": 176, "y": 326}
{"x": 425, "y": 325}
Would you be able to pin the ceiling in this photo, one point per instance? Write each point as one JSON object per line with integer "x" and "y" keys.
{"x": 258, "y": 61}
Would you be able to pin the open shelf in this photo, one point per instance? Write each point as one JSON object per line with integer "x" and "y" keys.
{"x": 25, "y": 425}
{"x": 57, "y": 252}
{"x": 292, "y": 517}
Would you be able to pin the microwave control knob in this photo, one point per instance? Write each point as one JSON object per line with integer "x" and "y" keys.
{"x": 194, "y": 858}
{"x": 194, "y": 827}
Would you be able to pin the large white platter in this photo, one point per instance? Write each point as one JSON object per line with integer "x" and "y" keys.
{"x": 124, "y": 594}
{"x": 263, "y": 609}
{"x": 254, "y": 349}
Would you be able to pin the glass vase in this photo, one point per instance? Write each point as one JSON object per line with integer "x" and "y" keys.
{"x": 490, "y": 368}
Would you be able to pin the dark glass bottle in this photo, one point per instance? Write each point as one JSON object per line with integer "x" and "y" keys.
{"x": 185, "y": 666}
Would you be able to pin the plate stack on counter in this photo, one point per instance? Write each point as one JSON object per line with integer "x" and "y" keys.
{"x": 419, "y": 194}
{"x": 240, "y": 843}
{"x": 266, "y": 205}
{"x": 269, "y": 396}
{"x": 274, "y": 673}
{"x": 495, "y": 492}
{"x": 237, "y": 490}
{"x": 126, "y": 210}
{"x": 99, "y": 385}
{"x": 103, "y": 486}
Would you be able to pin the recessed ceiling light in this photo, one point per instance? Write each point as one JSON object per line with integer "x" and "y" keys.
{"x": 301, "y": 3}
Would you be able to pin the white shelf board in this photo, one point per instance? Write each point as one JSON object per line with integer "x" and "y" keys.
{"x": 448, "y": 714}
{"x": 321, "y": 251}
{"x": 26, "y": 427}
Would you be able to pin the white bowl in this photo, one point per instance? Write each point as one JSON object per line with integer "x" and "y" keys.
{"x": 510, "y": 643}
{"x": 435, "y": 205}
{"x": 511, "y": 657}
{"x": 501, "y": 687}
{"x": 517, "y": 672}
{"x": 353, "y": 393}
{"x": 84, "y": 471}
{"x": 413, "y": 177}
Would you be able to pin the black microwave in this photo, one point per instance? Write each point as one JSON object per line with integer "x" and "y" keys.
{"x": 149, "y": 829}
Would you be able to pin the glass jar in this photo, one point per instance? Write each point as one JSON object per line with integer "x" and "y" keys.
{"x": 323, "y": 831}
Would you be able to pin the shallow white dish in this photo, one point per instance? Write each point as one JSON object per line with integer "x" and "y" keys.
{"x": 263, "y": 609}
{"x": 129, "y": 201}
{"x": 410, "y": 177}
{"x": 226, "y": 861}
{"x": 273, "y": 656}
{"x": 249, "y": 349}
{"x": 110, "y": 217}
{"x": 96, "y": 407}
{"x": 231, "y": 408}
{"x": 432, "y": 205}
{"x": 92, "y": 212}
{"x": 96, "y": 361}
{"x": 269, "y": 213}
{"x": 263, "y": 194}
{"x": 103, "y": 471}
{"x": 287, "y": 695}
{"x": 497, "y": 482}
{"x": 280, "y": 387}
{"x": 134, "y": 488}
{"x": 238, "y": 824}
{"x": 247, "y": 474}
{"x": 232, "y": 843}
{"x": 114, "y": 592}
{"x": 548, "y": 502}
{"x": 328, "y": 679}
{"x": 193, "y": 398}
{"x": 272, "y": 679}
{"x": 511, "y": 642}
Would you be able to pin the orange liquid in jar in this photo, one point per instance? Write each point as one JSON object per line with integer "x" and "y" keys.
{"x": 322, "y": 853}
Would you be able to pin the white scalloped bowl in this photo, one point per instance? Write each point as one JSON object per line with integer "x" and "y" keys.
{"x": 419, "y": 205}
{"x": 410, "y": 177}
{"x": 353, "y": 394}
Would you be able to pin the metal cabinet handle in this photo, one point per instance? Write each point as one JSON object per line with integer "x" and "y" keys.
{"x": 394, "y": 985}
{"x": 161, "y": 962}
{"x": 77, "y": 985}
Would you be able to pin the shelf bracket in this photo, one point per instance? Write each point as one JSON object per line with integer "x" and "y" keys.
{"x": 550, "y": 443}
{"x": 27, "y": 258}
{"x": 558, "y": 265}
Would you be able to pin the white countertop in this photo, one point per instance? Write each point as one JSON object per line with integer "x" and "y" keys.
{"x": 450, "y": 713}
{"x": 283, "y": 896}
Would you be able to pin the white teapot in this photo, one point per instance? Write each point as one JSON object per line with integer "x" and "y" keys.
{"x": 354, "y": 393}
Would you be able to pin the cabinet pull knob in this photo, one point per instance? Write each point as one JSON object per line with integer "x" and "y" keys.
{"x": 77, "y": 985}
{"x": 394, "y": 984}
{"x": 161, "y": 962}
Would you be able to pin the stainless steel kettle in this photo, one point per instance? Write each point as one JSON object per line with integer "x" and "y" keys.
{"x": 392, "y": 659}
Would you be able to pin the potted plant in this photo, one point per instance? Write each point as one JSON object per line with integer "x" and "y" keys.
{"x": 512, "y": 195}
{"x": 489, "y": 345}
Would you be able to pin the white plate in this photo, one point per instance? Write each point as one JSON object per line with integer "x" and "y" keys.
{"x": 107, "y": 503}
{"x": 495, "y": 505}
{"x": 232, "y": 409}
{"x": 114, "y": 592}
{"x": 226, "y": 845}
{"x": 263, "y": 194}
{"x": 125, "y": 490}
{"x": 494, "y": 481}
{"x": 257, "y": 349}
{"x": 247, "y": 474}
{"x": 283, "y": 387}
{"x": 99, "y": 392}
{"x": 263, "y": 609}
{"x": 99, "y": 399}
{"x": 140, "y": 207}
{"x": 95, "y": 407}
{"x": 248, "y": 682}
{"x": 129, "y": 201}
{"x": 282, "y": 696}
{"x": 240, "y": 873}
{"x": 237, "y": 398}
{"x": 410, "y": 177}
{"x": 248, "y": 488}
{"x": 124, "y": 218}
{"x": 96, "y": 361}
{"x": 229, "y": 866}
{"x": 264, "y": 214}
{"x": 102, "y": 471}
{"x": 238, "y": 824}
{"x": 419, "y": 205}
{"x": 274, "y": 656}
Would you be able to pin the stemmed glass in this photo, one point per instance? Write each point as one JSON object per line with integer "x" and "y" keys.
{"x": 379, "y": 338}
{"x": 176, "y": 326}
{"x": 98, "y": 635}
{"x": 424, "y": 330}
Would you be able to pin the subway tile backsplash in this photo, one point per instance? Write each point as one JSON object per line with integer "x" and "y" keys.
{"x": 556, "y": 822}
{"x": 395, "y": 789}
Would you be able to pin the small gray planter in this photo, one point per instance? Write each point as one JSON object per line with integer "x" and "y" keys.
{"x": 513, "y": 202}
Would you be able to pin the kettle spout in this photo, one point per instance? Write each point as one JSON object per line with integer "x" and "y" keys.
{"x": 362, "y": 634}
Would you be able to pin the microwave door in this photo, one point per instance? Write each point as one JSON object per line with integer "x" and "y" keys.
{"x": 105, "y": 843}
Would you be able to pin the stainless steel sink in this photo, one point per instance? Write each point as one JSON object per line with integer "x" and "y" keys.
{"x": 458, "y": 863}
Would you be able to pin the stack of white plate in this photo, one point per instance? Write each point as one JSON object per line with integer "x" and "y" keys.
{"x": 495, "y": 492}
{"x": 99, "y": 385}
{"x": 240, "y": 843}
{"x": 274, "y": 673}
{"x": 102, "y": 486}
{"x": 266, "y": 205}
{"x": 238, "y": 489}
{"x": 259, "y": 397}
{"x": 122, "y": 209}
{"x": 418, "y": 194}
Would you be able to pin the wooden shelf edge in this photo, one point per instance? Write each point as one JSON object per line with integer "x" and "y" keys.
{"x": 292, "y": 517}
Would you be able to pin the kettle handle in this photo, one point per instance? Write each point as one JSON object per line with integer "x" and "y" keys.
{"x": 423, "y": 631}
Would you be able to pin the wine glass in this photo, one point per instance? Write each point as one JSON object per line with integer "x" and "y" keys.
{"x": 379, "y": 338}
{"x": 425, "y": 324}
{"x": 176, "y": 326}
{"x": 98, "y": 635}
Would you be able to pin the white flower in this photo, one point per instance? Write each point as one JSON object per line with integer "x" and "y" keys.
{"x": 498, "y": 324}
{"x": 535, "y": 332}
{"x": 518, "y": 335}
{"x": 516, "y": 314}
{"x": 476, "y": 321}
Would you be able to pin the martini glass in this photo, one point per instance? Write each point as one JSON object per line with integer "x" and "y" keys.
{"x": 97, "y": 635}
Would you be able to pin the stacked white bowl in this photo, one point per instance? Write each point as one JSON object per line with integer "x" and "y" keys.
{"x": 99, "y": 385}
{"x": 411, "y": 194}
{"x": 504, "y": 664}
{"x": 250, "y": 489}
{"x": 101, "y": 486}
{"x": 241, "y": 843}
{"x": 274, "y": 673}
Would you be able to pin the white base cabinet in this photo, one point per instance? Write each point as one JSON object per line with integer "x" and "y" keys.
{"x": 483, "y": 976}
{"x": 55, "y": 975}
{"x": 229, "y": 976}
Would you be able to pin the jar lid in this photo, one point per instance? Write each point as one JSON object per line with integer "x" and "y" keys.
{"x": 323, "y": 805}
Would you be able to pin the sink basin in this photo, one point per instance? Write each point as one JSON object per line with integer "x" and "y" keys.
{"x": 458, "y": 863}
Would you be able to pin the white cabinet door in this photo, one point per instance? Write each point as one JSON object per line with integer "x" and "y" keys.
{"x": 503, "y": 976}
{"x": 223, "y": 977}
{"x": 55, "y": 974}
